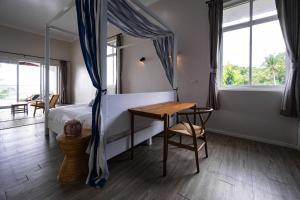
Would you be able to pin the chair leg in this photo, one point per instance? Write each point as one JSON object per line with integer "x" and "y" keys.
{"x": 167, "y": 148}
{"x": 34, "y": 111}
{"x": 180, "y": 139}
{"x": 197, "y": 160}
{"x": 196, "y": 152}
{"x": 206, "y": 152}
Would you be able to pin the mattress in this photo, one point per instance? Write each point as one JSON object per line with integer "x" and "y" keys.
{"x": 83, "y": 113}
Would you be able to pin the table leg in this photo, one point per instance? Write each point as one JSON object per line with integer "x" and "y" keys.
{"x": 132, "y": 134}
{"x": 195, "y": 110}
{"x": 13, "y": 110}
{"x": 165, "y": 155}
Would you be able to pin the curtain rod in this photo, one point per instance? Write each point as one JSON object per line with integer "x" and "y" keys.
{"x": 24, "y": 55}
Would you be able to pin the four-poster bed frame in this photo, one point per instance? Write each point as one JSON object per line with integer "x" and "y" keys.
{"x": 50, "y": 26}
{"x": 108, "y": 115}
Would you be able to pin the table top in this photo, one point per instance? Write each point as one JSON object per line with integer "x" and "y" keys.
{"x": 20, "y": 103}
{"x": 158, "y": 111}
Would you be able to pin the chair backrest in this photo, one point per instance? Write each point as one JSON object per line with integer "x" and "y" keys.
{"x": 34, "y": 97}
{"x": 198, "y": 112}
{"x": 53, "y": 100}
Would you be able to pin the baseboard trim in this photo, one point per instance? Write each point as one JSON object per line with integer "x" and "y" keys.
{"x": 257, "y": 139}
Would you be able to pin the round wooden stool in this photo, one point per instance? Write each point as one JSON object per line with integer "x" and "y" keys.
{"x": 74, "y": 167}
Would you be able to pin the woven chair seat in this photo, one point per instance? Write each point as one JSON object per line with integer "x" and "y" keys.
{"x": 37, "y": 103}
{"x": 185, "y": 129}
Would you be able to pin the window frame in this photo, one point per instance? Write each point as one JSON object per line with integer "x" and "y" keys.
{"x": 249, "y": 24}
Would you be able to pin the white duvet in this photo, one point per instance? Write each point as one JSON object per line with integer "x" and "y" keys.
{"x": 80, "y": 112}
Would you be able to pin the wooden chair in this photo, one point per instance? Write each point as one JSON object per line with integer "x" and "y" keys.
{"x": 191, "y": 130}
{"x": 41, "y": 105}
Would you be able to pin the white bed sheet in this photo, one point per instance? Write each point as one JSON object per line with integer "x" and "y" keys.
{"x": 59, "y": 115}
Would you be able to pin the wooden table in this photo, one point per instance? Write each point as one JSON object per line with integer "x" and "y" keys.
{"x": 74, "y": 167}
{"x": 160, "y": 111}
{"x": 19, "y": 107}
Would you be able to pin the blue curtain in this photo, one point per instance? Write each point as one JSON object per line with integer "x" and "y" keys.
{"x": 89, "y": 27}
{"x": 127, "y": 18}
{"x": 124, "y": 16}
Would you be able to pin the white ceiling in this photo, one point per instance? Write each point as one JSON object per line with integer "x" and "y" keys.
{"x": 32, "y": 16}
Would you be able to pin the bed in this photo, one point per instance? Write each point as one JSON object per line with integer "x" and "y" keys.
{"x": 116, "y": 119}
{"x": 115, "y": 116}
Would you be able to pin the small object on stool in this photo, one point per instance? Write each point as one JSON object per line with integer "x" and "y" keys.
{"x": 72, "y": 128}
{"x": 74, "y": 167}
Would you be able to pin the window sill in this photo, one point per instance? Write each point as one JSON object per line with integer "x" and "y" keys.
{"x": 254, "y": 88}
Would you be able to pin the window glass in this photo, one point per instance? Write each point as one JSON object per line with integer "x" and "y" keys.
{"x": 236, "y": 15}
{"x": 53, "y": 79}
{"x": 264, "y": 8}
{"x": 110, "y": 49}
{"x": 268, "y": 55}
{"x": 111, "y": 67}
{"x": 8, "y": 84}
{"x": 111, "y": 74}
{"x": 236, "y": 57}
{"x": 29, "y": 80}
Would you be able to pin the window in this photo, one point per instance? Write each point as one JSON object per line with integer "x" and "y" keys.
{"x": 8, "y": 83}
{"x": 112, "y": 66}
{"x": 253, "y": 49}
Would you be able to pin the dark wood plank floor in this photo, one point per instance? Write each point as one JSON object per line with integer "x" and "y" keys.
{"x": 236, "y": 169}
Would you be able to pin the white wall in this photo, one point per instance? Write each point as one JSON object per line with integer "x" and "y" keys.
{"x": 82, "y": 89}
{"x": 137, "y": 77}
{"x": 188, "y": 19}
{"x": 17, "y": 41}
{"x": 148, "y": 76}
{"x": 249, "y": 114}
{"x": 255, "y": 115}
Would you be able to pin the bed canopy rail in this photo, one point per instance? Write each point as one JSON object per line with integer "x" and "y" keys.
{"x": 96, "y": 18}
{"x": 75, "y": 34}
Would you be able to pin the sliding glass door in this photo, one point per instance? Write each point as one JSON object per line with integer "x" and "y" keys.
{"x": 21, "y": 80}
{"x": 8, "y": 83}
